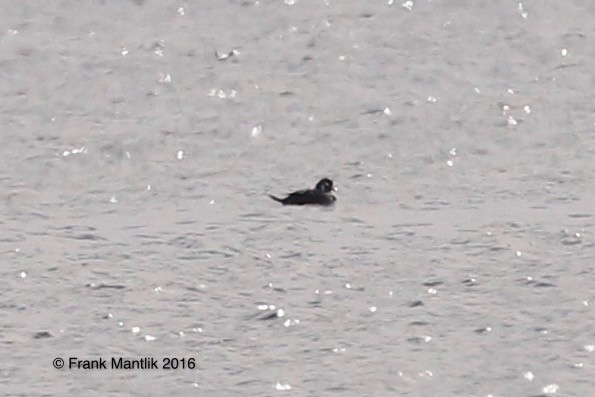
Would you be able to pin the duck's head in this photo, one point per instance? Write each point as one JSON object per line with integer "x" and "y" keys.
{"x": 325, "y": 185}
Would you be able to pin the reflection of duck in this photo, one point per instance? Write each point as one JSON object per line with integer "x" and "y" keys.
{"x": 320, "y": 195}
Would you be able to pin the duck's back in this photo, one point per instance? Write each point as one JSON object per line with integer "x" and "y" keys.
{"x": 303, "y": 197}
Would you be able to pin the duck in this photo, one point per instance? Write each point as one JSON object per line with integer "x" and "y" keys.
{"x": 320, "y": 195}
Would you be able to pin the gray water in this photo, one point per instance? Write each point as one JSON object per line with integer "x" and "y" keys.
{"x": 458, "y": 260}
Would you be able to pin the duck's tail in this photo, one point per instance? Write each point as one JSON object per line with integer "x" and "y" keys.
{"x": 277, "y": 199}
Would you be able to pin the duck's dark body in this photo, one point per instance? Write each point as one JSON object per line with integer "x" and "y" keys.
{"x": 320, "y": 195}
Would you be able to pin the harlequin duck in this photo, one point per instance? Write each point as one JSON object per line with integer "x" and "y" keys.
{"x": 320, "y": 195}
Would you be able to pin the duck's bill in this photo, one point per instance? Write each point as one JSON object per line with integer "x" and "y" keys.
{"x": 335, "y": 189}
